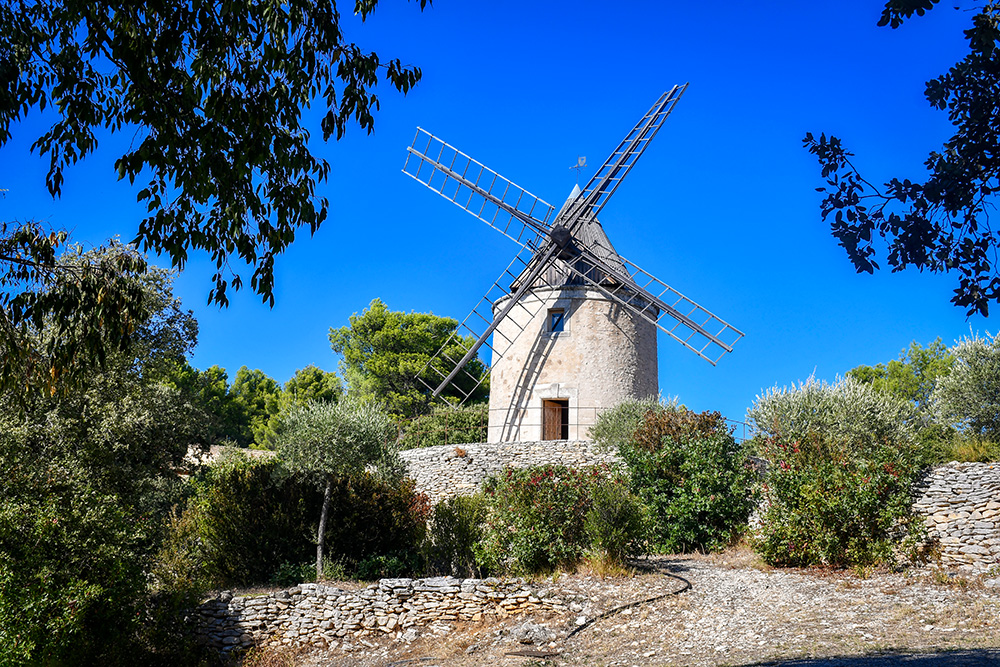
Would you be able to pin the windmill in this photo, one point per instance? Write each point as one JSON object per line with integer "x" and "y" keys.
{"x": 565, "y": 271}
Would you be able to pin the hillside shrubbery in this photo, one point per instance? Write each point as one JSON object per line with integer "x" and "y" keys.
{"x": 250, "y": 520}
{"x": 445, "y": 425}
{"x": 842, "y": 460}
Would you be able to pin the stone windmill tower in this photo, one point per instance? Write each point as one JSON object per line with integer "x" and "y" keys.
{"x": 571, "y": 324}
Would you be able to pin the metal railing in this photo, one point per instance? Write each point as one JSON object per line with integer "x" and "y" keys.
{"x": 525, "y": 426}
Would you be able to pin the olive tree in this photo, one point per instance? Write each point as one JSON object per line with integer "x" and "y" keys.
{"x": 970, "y": 395}
{"x": 326, "y": 440}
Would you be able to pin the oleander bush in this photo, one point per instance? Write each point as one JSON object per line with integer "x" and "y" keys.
{"x": 534, "y": 519}
{"x": 693, "y": 478}
{"x": 842, "y": 460}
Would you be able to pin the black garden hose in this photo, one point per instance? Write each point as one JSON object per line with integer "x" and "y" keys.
{"x": 612, "y": 612}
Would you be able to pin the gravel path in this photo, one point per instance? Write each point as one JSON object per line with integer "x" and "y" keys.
{"x": 734, "y": 614}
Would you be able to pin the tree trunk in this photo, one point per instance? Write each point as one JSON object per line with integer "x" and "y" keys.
{"x": 321, "y": 529}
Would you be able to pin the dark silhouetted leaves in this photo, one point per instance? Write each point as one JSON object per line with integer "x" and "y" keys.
{"x": 941, "y": 224}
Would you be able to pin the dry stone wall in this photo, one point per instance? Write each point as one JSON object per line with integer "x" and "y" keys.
{"x": 960, "y": 503}
{"x": 324, "y": 615}
{"x": 455, "y": 470}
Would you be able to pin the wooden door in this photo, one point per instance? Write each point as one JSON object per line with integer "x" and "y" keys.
{"x": 555, "y": 425}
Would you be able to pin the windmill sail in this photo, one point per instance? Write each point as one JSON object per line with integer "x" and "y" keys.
{"x": 482, "y": 325}
{"x": 692, "y": 325}
{"x": 565, "y": 249}
{"x": 504, "y": 206}
{"x": 610, "y": 175}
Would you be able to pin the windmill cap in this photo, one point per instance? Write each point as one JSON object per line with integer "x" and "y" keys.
{"x": 574, "y": 193}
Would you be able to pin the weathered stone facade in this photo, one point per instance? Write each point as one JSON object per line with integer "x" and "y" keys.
{"x": 454, "y": 470}
{"x": 961, "y": 506}
{"x": 318, "y": 614}
{"x": 604, "y": 355}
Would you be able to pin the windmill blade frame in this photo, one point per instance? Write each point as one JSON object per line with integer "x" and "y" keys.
{"x": 474, "y": 187}
{"x": 483, "y": 323}
{"x": 606, "y": 180}
{"x": 572, "y": 239}
{"x": 692, "y": 320}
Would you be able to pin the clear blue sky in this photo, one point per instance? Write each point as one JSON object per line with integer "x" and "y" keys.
{"x": 722, "y": 206}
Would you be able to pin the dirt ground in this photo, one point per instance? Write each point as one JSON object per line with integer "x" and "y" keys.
{"x": 716, "y": 610}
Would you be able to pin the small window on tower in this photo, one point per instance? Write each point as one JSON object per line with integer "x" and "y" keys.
{"x": 557, "y": 320}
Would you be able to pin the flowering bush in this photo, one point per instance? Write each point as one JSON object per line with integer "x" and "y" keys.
{"x": 692, "y": 476}
{"x": 843, "y": 458}
{"x": 535, "y": 518}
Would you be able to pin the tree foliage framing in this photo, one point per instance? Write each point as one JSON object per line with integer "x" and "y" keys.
{"x": 215, "y": 92}
{"x": 941, "y": 224}
{"x": 63, "y": 310}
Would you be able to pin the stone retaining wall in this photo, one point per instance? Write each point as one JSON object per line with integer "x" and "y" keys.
{"x": 318, "y": 614}
{"x": 451, "y": 470}
{"x": 961, "y": 506}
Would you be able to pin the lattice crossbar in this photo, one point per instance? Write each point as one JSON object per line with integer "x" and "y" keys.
{"x": 474, "y": 187}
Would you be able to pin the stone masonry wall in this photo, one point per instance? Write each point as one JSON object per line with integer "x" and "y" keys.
{"x": 451, "y": 470}
{"x": 318, "y": 614}
{"x": 960, "y": 502}
{"x": 961, "y": 506}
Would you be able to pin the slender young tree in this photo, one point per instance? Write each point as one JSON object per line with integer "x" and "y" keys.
{"x": 325, "y": 440}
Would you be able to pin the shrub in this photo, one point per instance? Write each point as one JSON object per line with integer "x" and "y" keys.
{"x": 615, "y": 523}
{"x": 389, "y": 566}
{"x": 843, "y": 457}
{"x": 454, "y": 530}
{"x": 371, "y": 518}
{"x": 255, "y": 522}
{"x": 969, "y": 397}
{"x": 71, "y": 570}
{"x": 615, "y": 428}
{"x": 535, "y": 518}
{"x": 447, "y": 426}
{"x": 966, "y": 449}
{"x": 178, "y": 572}
{"x": 692, "y": 476}
{"x": 252, "y": 516}
{"x": 290, "y": 574}
{"x": 847, "y": 410}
